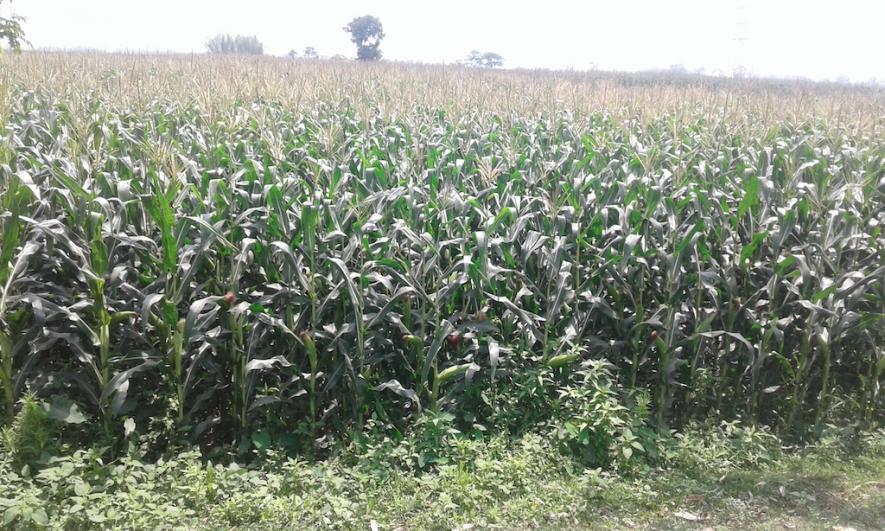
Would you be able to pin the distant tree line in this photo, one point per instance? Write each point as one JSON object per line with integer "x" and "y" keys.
{"x": 309, "y": 53}
{"x": 235, "y": 44}
{"x": 484, "y": 59}
{"x": 366, "y": 33}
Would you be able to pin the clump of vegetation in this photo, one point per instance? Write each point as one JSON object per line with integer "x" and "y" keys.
{"x": 29, "y": 435}
{"x": 504, "y": 481}
{"x": 235, "y": 44}
{"x": 484, "y": 59}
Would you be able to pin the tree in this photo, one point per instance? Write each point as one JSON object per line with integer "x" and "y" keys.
{"x": 238, "y": 44}
{"x": 310, "y": 53}
{"x": 11, "y": 31}
{"x": 366, "y": 32}
{"x": 292, "y": 54}
{"x": 484, "y": 60}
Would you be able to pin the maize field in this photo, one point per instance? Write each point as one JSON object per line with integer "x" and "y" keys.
{"x": 247, "y": 248}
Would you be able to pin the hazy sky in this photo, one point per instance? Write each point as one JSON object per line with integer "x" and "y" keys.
{"x": 812, "y": 38}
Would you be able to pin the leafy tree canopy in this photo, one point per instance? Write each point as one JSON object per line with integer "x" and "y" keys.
{"x": 366, "y": 32}
{"x": 11, "y": 31}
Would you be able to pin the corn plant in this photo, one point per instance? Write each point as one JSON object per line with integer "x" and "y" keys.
{"x": 271, "y": 261}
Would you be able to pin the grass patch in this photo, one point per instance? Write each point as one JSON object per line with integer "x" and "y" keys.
{"x": 522, "y": 482}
